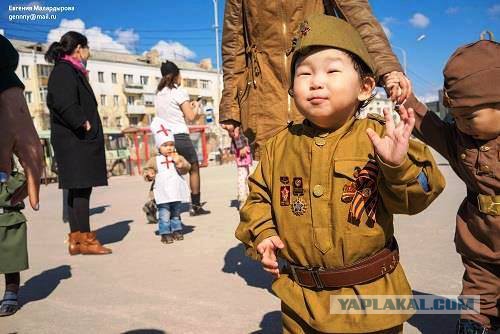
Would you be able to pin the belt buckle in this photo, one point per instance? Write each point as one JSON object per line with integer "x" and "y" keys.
{"x": 315, "y": 275}
{"x": 488, "y": 208}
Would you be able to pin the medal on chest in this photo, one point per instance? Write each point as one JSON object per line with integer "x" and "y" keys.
{"x": 298, "y": 188}
{"x": 285, "y": 195}
{"x": 299, "y": 206}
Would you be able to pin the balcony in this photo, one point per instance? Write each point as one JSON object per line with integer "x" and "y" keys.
{"x": 136, "y": 109}
{"x": 133, "y": 88}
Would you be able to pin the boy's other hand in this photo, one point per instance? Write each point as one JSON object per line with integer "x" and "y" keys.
{"x": 392, "y": 149}
{"x": 397, "y": 86}
{"x": 267, "y": 248}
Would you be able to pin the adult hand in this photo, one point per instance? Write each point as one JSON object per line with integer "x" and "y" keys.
{"x": 19, "y": 137}
{"x": 392, "y": 149}
{"x": 397, "y": 86}
{"x": 87, "y": 126}
{"x": 268, "y": 248}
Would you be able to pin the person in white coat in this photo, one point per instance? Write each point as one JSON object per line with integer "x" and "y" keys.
{"x": 170, "y": 189}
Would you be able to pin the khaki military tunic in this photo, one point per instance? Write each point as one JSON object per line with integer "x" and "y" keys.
{"x": 322, "y": 235}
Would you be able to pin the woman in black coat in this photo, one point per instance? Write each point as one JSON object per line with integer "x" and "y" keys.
{"x": 76, "y": 136}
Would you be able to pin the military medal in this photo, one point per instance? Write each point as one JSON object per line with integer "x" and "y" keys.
{"x": 299, "y": 206}
{"x": 348, "y": 192}
{"x": 298, "y": 188}
{"x": 284, "y": 179}
{"x": 285, "y": 195}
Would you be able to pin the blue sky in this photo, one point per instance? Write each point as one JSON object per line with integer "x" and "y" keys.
{"x": 184, "y": 29}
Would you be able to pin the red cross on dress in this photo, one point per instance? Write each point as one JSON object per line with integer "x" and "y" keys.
{"x": 168, "y": 161}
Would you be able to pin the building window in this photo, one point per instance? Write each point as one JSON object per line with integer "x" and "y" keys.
{"x": 103, "y": 100}
{"x": 130, "y": 100}
{"x": 27, "y": 96}
{"x": 26, "y": 71}
{"x": 105, "y": 121}
{"x": 100, "y": 76}
{"x": 113, "y": 77}
{"x": 43, "y": 94}
{"x": 118, "y": 122}
{"x": 44, "y": 70}
{"x": 149, "y": 99}
{"x": 144, "y": 80}
{"x": 190, "y": 83}
{"x": 157, "y": 80}
{"x": 205, "y": 84}
{"x": 115, "y": 100}
{"x": 128, "y": 78}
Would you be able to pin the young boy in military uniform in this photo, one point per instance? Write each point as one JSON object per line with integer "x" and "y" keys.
{"x": 325, "y": 191}
{"x": 471, "y": 145}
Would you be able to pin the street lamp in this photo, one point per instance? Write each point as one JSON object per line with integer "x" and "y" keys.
{"x": 404, "y": 56}
{"x": 216, "y": 26}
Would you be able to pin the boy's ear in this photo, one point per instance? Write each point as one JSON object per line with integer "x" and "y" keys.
{"x": 366, "y": 89}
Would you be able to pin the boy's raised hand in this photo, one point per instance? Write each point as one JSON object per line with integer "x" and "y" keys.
{"x": 393, "y": 148}
{"x": 267, "y": 248}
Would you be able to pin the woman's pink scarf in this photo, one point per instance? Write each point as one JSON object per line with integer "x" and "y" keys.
{"x": 76, "y": 64}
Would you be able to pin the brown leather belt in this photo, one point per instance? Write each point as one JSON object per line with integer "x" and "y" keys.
{"x": 360, "y": 272}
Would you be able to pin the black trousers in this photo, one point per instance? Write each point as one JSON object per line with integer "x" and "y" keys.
{"x": 78, "y": 209}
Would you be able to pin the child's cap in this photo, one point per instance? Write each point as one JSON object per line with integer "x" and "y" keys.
{"x": 329, "y": 31}
{"x": 472, "y": 75}
{"x": 161, "y": 131}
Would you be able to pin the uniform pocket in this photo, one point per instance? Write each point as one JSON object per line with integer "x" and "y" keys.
{"x": 360, "y": 239}
{"x": 347, "y": 167}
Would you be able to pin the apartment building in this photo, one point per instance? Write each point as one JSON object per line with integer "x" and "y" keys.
{"x": 124, "y": 84}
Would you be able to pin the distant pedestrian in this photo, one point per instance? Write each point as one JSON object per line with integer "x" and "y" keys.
{"x": 243, "y": 156}
{"x": 76, "y": 136}
{"x": 173, "y": 105}
{"x": 170, "y": 189}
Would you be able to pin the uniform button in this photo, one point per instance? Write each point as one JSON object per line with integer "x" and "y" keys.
{"x": 484, "y": 148}
{"x": 320, "y": 141}
{"x": 463, "y": 156}
{"x": 318, "y": 190}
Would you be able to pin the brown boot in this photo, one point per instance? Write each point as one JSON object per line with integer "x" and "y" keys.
{"x": 90, "y": 245}
{"x": 74, "y": 243}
